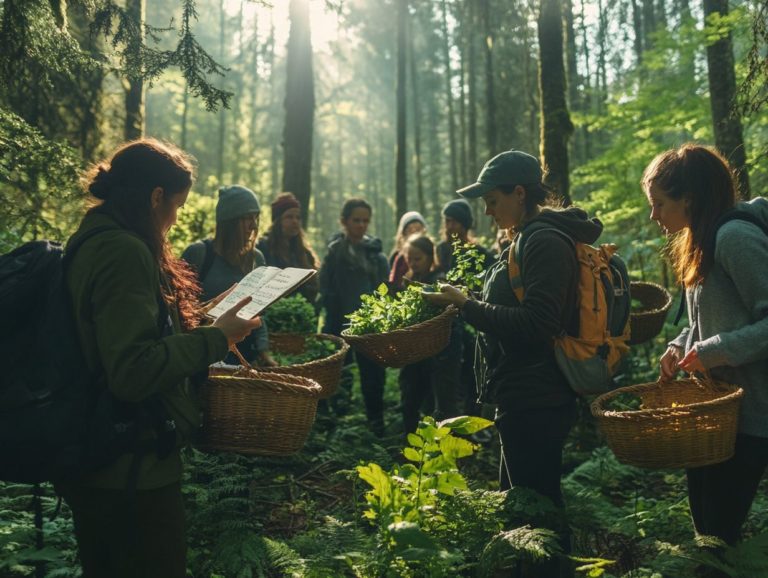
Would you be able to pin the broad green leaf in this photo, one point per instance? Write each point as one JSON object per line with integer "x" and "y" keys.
{"x": 412, "y": 454}
{"x": 466, "y": 424}
{"x": 454, "y": 448}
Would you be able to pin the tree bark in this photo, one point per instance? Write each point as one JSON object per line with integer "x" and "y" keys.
{"x": 222, "y": 112}
{"x": 722, "y": 91}
{"x": 134, "y": 85}
{"x": 416, "y": 122}
{"x": 401, "y": 199}
{"x": 299, "y": 107}
{"x": 449, "y": 99}
{"x": 490, "y": 98}
{"x": 556, "y": 125}
{"x": 472, "y": 91}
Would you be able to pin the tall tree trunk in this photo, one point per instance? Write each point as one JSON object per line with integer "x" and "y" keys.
{"x": 722, "y": 91}
{"x": 401, "y": 198}
{"x": 134, "y": 85}
{"x": 573, "y": 70}
{"x": 472, "y": 89}
{"x": 602, "y": 74}
{"x": 490, "y": 98}
{"x": 649, "y": 24}
{"x": 299, "y": 107}
{"x": 222, "y": 112}
{"x": 463, "y": 118}
{"x": 274, "y": 168}
{"x": 556, "y": 125}
{"x": 530, "y": 86}
{"x": 449, "y": 99}
{"x": 637, "y": 28}
{"x": 237, "y": 99}
{"x": 586, "y": 102}
{"x": 254, "y": 114}
{"x": 416, "y": 121}
{"x": 184, "y": 116}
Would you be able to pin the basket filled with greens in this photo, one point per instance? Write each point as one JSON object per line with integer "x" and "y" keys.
{"x": 256, "y": 413}
{"x": 396, "y": 331}
{"x": 650, "y": 304}
{"x": 319, "y": 357}
{"x": 288, "y": 320}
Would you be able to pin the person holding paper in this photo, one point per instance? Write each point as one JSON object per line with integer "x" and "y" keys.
{"x": 286, "y": 245}
{"x": 136, "y": 312}
{"x": 353, "y": 267}
{"x": 228, "y": 257}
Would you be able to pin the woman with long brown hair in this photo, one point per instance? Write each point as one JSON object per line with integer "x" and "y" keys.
{"x": 285, "y": 243}
{"x": 228, "y": 257}
{"x": 136, "y": 310}
{"x": 719, "y": 250}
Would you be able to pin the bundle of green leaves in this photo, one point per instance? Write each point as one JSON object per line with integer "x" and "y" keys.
{"x": 292, "y": 314}
{"x": 314, "y": 348}
{"x": 468, "y": 265}
{"x": 383, "y": 312}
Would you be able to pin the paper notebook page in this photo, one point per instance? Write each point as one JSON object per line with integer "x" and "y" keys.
{"x": 249, "y": 285}
{"x": 277, "y": 286}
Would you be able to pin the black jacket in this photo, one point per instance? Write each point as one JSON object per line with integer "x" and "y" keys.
{"x": 519, "y": 368}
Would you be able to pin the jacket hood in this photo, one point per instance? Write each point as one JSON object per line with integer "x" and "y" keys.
{"x": 573, "y": 221}
{"x": 93, "y": 220}
{"x": 757, "y": 207}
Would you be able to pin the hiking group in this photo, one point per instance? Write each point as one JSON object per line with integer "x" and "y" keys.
{"x": 136, "y": 315}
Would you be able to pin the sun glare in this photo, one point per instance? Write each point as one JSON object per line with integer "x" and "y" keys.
{"x": 324, "y": 23}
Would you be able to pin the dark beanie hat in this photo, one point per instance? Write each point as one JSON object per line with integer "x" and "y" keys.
{"x": 236, "y": 201}
{"x": 282, "y": 203}
{"x": 459, "y": 210}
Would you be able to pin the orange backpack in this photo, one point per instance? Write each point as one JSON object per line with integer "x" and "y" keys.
{"x": 590, "y": 359}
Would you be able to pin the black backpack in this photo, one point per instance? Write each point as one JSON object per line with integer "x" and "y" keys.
{"x": 56, "y": 421}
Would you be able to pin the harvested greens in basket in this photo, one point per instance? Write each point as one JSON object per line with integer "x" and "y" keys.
{"x": 292, "y": 314}
{"x": 468, "y": 265}
{"x": 383, "y": 312}
{"x": 314, "y": 348}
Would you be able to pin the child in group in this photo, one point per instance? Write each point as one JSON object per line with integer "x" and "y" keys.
{"x": 723, "y": 263}
{"x": 354, "y": 266}
{"x": 228, "y": 257}
{"x": 437, "y": 376}
{"x": 136, "y": 311}
{"x": 411, "y": 223}
{"x": 285, "y": 244}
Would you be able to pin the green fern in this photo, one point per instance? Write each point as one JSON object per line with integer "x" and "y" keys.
{"x": 525, "y": 544}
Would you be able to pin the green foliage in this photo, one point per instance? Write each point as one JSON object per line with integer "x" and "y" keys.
{"x": 292, "y": 314}
{"x": 405, "y": 503}
{"x": 523, "y": 544}
{"x": 314, "y": 348}
{"x": 196, "y": 221}
{"x": 381, "y": 312}
{"x": 468, "y": 265}
{"x": 38, "y": 201}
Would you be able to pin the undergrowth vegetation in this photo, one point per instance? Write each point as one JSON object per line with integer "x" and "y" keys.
{"x": 350, "y": 504}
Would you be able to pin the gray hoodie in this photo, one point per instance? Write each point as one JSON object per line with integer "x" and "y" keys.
{"x": 728, "y": 315}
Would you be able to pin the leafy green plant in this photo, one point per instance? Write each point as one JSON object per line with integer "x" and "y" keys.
{"x": 292, "y": 314}
{"x": 405, "y": 503}
{"x": 468, "y": 265}
{"x": 383, "y": 312}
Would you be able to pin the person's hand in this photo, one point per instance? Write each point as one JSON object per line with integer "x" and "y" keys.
{"x": 448, "y": 295}
{"x": 236, "y": 328}
{"x": 691, "y": 363}
{"x": 670, "y": 362}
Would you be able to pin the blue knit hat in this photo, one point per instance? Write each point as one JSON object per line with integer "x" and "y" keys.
{"x": 459, "y": 210}
{"x": 236, "y": 201}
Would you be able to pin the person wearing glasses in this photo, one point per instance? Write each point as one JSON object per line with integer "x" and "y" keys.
{"x": 228, "y": 257}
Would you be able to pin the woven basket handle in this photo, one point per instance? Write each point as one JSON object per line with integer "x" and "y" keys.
{"x": 243, "y": 361}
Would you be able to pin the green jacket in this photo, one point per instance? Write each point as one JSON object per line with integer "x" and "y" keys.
{"x": 114, "y": 282}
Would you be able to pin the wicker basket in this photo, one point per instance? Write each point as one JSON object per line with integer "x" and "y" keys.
{"x": 648, "y": 322}
{"x": 255, "y": 413}
{"x": 683, "y": 423}
{"x": 406, "y": 346}
{"x": 326, "y": 371}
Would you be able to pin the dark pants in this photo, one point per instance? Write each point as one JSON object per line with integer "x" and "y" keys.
{"x": 431, "y": 385}
{"x": 129, "y": 535}
{"x": 721, "y": 495}
{"x": 372, "y": 377}
{"x": 532, "y": 457}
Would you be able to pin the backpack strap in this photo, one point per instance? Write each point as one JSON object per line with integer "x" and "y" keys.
{"x": 210, "y": 255}
{"x": 73, "y": 246}
{"x": 515, "y": 257}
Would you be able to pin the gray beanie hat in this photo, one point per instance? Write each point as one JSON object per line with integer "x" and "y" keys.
{"x": 236, "y": 201}
{"x": 459, "y": 210}
{"x": 410, "y": 217}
